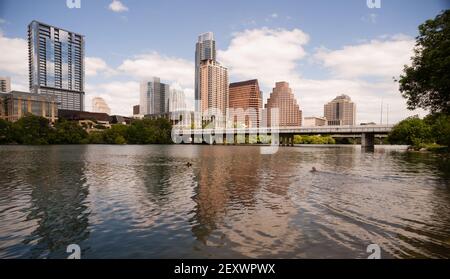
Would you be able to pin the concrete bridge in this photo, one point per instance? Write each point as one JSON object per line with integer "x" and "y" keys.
{"x": 283, "y": 136}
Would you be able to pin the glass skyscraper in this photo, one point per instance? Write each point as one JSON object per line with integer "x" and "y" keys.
{"x": 154, "y": 96}
{"x": 205, "y": 50}
{"x": 56, "y": 64}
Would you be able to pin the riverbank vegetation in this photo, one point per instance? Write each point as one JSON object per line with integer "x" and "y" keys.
{"x": 426, "y": 85}
{"x": 314, "y": 140}
{"x": 35, "y": 130}
{"x": 431, "y": 133}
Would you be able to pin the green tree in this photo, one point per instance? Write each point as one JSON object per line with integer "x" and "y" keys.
{"x": 163, "y": 129}
{"x": 139, "y": 132}
{"x": 411, "y": 131}
{"x": 6, "y": 132}
{"x": 96, "y": 137}
{"x": 33, "y": 130}
{"x": 68, "y": 132}
{"x": 440, "y": 127}
{"x": 317, "y": 139}
{"x": 110, "y": 136}
{"x": 426, "y": 83}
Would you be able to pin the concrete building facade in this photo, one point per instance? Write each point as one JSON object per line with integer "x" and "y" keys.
{"x": 176, "y": 101}
{"x": 283, "y": 99}
{"x": 99, "y": 105}
{"x": 5, "y": 84}
{"x": 213, "y": 88}
{"x": 315, "y": 121}
{"x": 341, "y": 111}
{"x": 136, "y": 111}
{"x": 16, "y": 104}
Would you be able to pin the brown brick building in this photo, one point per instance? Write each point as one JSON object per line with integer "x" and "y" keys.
{"x": 340, "y": 111}
{"x": 282, "y": 98}
{"x": 245, "y": 99}
{"x": 213, "y": 88}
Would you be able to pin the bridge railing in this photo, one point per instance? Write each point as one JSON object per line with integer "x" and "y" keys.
{"x": 381, "y": 129}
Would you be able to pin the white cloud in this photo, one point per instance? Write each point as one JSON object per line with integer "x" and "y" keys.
{"x": 313, "y": 94}
{"x": 273, "y": 55}
{"x": 14, "y": 61}
{"x": 14, "y": 58}
{"x": 380, "y": 58}
{"x": 117, "y": 6}
{"x": 120, "y": 96}
{"x": 167, "y": 68}
{"x": 267, "y": 54}
{"x": 95, "y": 65}
{"x": 274, "y": 15}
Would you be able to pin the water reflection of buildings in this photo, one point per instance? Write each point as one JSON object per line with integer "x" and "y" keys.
{"x": 224, "y": 186}
{"x": 242, "y": 198}
{"x": 58, "y": 202}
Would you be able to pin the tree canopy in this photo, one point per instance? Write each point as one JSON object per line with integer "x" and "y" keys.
{"x": 35, "y": 130}
{"x": 426, "y": 83}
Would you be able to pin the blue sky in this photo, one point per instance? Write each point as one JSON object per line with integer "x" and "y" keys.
{"x": 319, "y": 33}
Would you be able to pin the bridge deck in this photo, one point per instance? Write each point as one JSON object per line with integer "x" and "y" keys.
{"x": 325, "y": 130}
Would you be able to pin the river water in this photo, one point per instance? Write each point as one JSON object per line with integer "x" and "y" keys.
{"x": 145, "y": 202}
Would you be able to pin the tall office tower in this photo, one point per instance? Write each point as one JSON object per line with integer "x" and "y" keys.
{"x": 5, "y": 84}
{"x": 245, "y": 98}
{"x": 99, "y": 105}
{"x": 56, "y": 64}
{"x": 205, "y": 49}
{"x": 136, "y": 110}
{"x": 213, "y": 87}
{"x": 177, "y": 101}
{"x": 154, "y": 96}
{"x": 340, "y": 111}
{"x": 289, "y": 111}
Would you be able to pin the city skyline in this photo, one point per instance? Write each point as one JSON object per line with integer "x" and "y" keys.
{"x": 317, "y": 67}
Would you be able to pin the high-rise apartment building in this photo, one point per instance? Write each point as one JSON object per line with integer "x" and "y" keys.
{"x": 56, "y": 64}
{"x": 5, "y": 84}
{"x": 99, "y": 105}
{"x": 340, "y": 111}
{"x": 154, "y": 96}
{"x": 289, "y": 113}
{"x": 245, "y": 103}
{"x": 176, "y": 101}
{"x": 213, "y": 87}
{"x": 205, "y": 50}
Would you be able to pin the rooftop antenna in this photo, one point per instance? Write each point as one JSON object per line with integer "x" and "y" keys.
{"x": 381, "y": 114}
{"x": 387, "y": 116}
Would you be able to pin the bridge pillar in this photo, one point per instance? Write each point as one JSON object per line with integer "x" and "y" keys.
{"x": 368, "y": 141}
